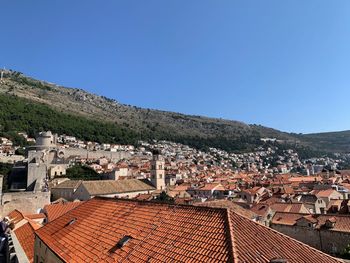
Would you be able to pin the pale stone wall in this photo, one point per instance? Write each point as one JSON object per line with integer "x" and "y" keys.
{"x": 331, "y": 242}
{"x": 43, "y": 254}
{"x": 304, "y": 234}
{"x": 11, "y": 159}
{"x": 114, "y": 156}
{"x": 320, "y": 206}
{"x": 122, "y": 172}
{"x": 81, "y": 193}
{"x": 36, "y": 173}
{"x": 66, "y": 193}
{"x": 57, "y": 170}
{"x": 26, "y": 202}
{"x": 20, "y": 254}
{"x": 158, "y": 173}
{"x": 334, "y": 242}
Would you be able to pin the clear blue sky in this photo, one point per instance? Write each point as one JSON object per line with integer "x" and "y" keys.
{"x": 282, "y": 64}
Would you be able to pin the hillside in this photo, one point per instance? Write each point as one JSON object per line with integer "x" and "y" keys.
{"x": 88, "y": 115}
{"x": 331, "y": 141}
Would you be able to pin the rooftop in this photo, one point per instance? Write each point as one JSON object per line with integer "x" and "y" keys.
{"x": 289, "y": 207}
{"x": 54, "y": 211}
{"x": 166, "y": 233}
{"x": 102, "y": 187}
{"x": 342, "y": 222}
{"x": 231, "y": 205}
{"x": 15, "y": 216}
{"x": 25, "y": 236}
{"x": 74, "y": 184}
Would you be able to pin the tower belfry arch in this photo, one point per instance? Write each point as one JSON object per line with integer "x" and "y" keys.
{"x": 158, "y": 171}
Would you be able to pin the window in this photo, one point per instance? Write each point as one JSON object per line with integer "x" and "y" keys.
{"x": 122, "y": 242}
{"x": 71, "y": 222}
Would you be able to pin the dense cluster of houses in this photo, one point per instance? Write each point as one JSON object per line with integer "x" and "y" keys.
{"x": 8, "y": 151}
{"x": 170, "y": 202}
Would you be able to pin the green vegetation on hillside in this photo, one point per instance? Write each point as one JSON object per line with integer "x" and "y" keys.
{"x": 5, "y": 170}
{"x": 18, "y": 114}
{"x": 97, "y": 118}
{"x": 332, "y": 141}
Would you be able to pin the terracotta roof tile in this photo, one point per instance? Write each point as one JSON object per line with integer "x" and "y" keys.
{"x": 342, "y": 222}
{"x": 36, "y": 216}
{"x": 305, "y": 179}
{"x": 288, "y": 207}
{"x": 257, "y": 243}
{"x": 158, "y": 230}
{"x": 102, "y": 187}
{"x": 231, "y": 205}
{"x": 54, "y": 211}
{"x": 260, "y": 209}
{"x": 325, "y": 193}
{"x": 15, "y": 216}
{"x": 25, "y": 236}
{"x": 282, "y": 218}
{"x": 166, "y": 233}
{"x": 212, "y": 186}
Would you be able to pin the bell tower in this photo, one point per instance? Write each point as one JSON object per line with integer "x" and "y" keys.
{"x": 157, "y": 171}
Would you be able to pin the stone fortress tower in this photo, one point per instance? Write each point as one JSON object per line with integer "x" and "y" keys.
{"x": 157, "y": 171}
{"x": 45, "y": 161}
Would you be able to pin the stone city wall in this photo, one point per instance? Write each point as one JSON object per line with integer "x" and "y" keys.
{"x": 328, "y": 241}
{"x": 26, "y": 202}
{"x": 114, "y": 156}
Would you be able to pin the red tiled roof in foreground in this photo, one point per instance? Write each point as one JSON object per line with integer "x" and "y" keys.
{"x": 36, "y": 216}
{"x": 54, "y": 211}
{"x": 25, "y": 236}
{"x": 256, "y": 243}
{"x": 167, "y": 233}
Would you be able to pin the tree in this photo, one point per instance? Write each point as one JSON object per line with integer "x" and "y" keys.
{"x": 5, "y": 170}
{"x": 164, "y": 197}
{"x": 82, "y": 172}
{"x": 346, "y": 252}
